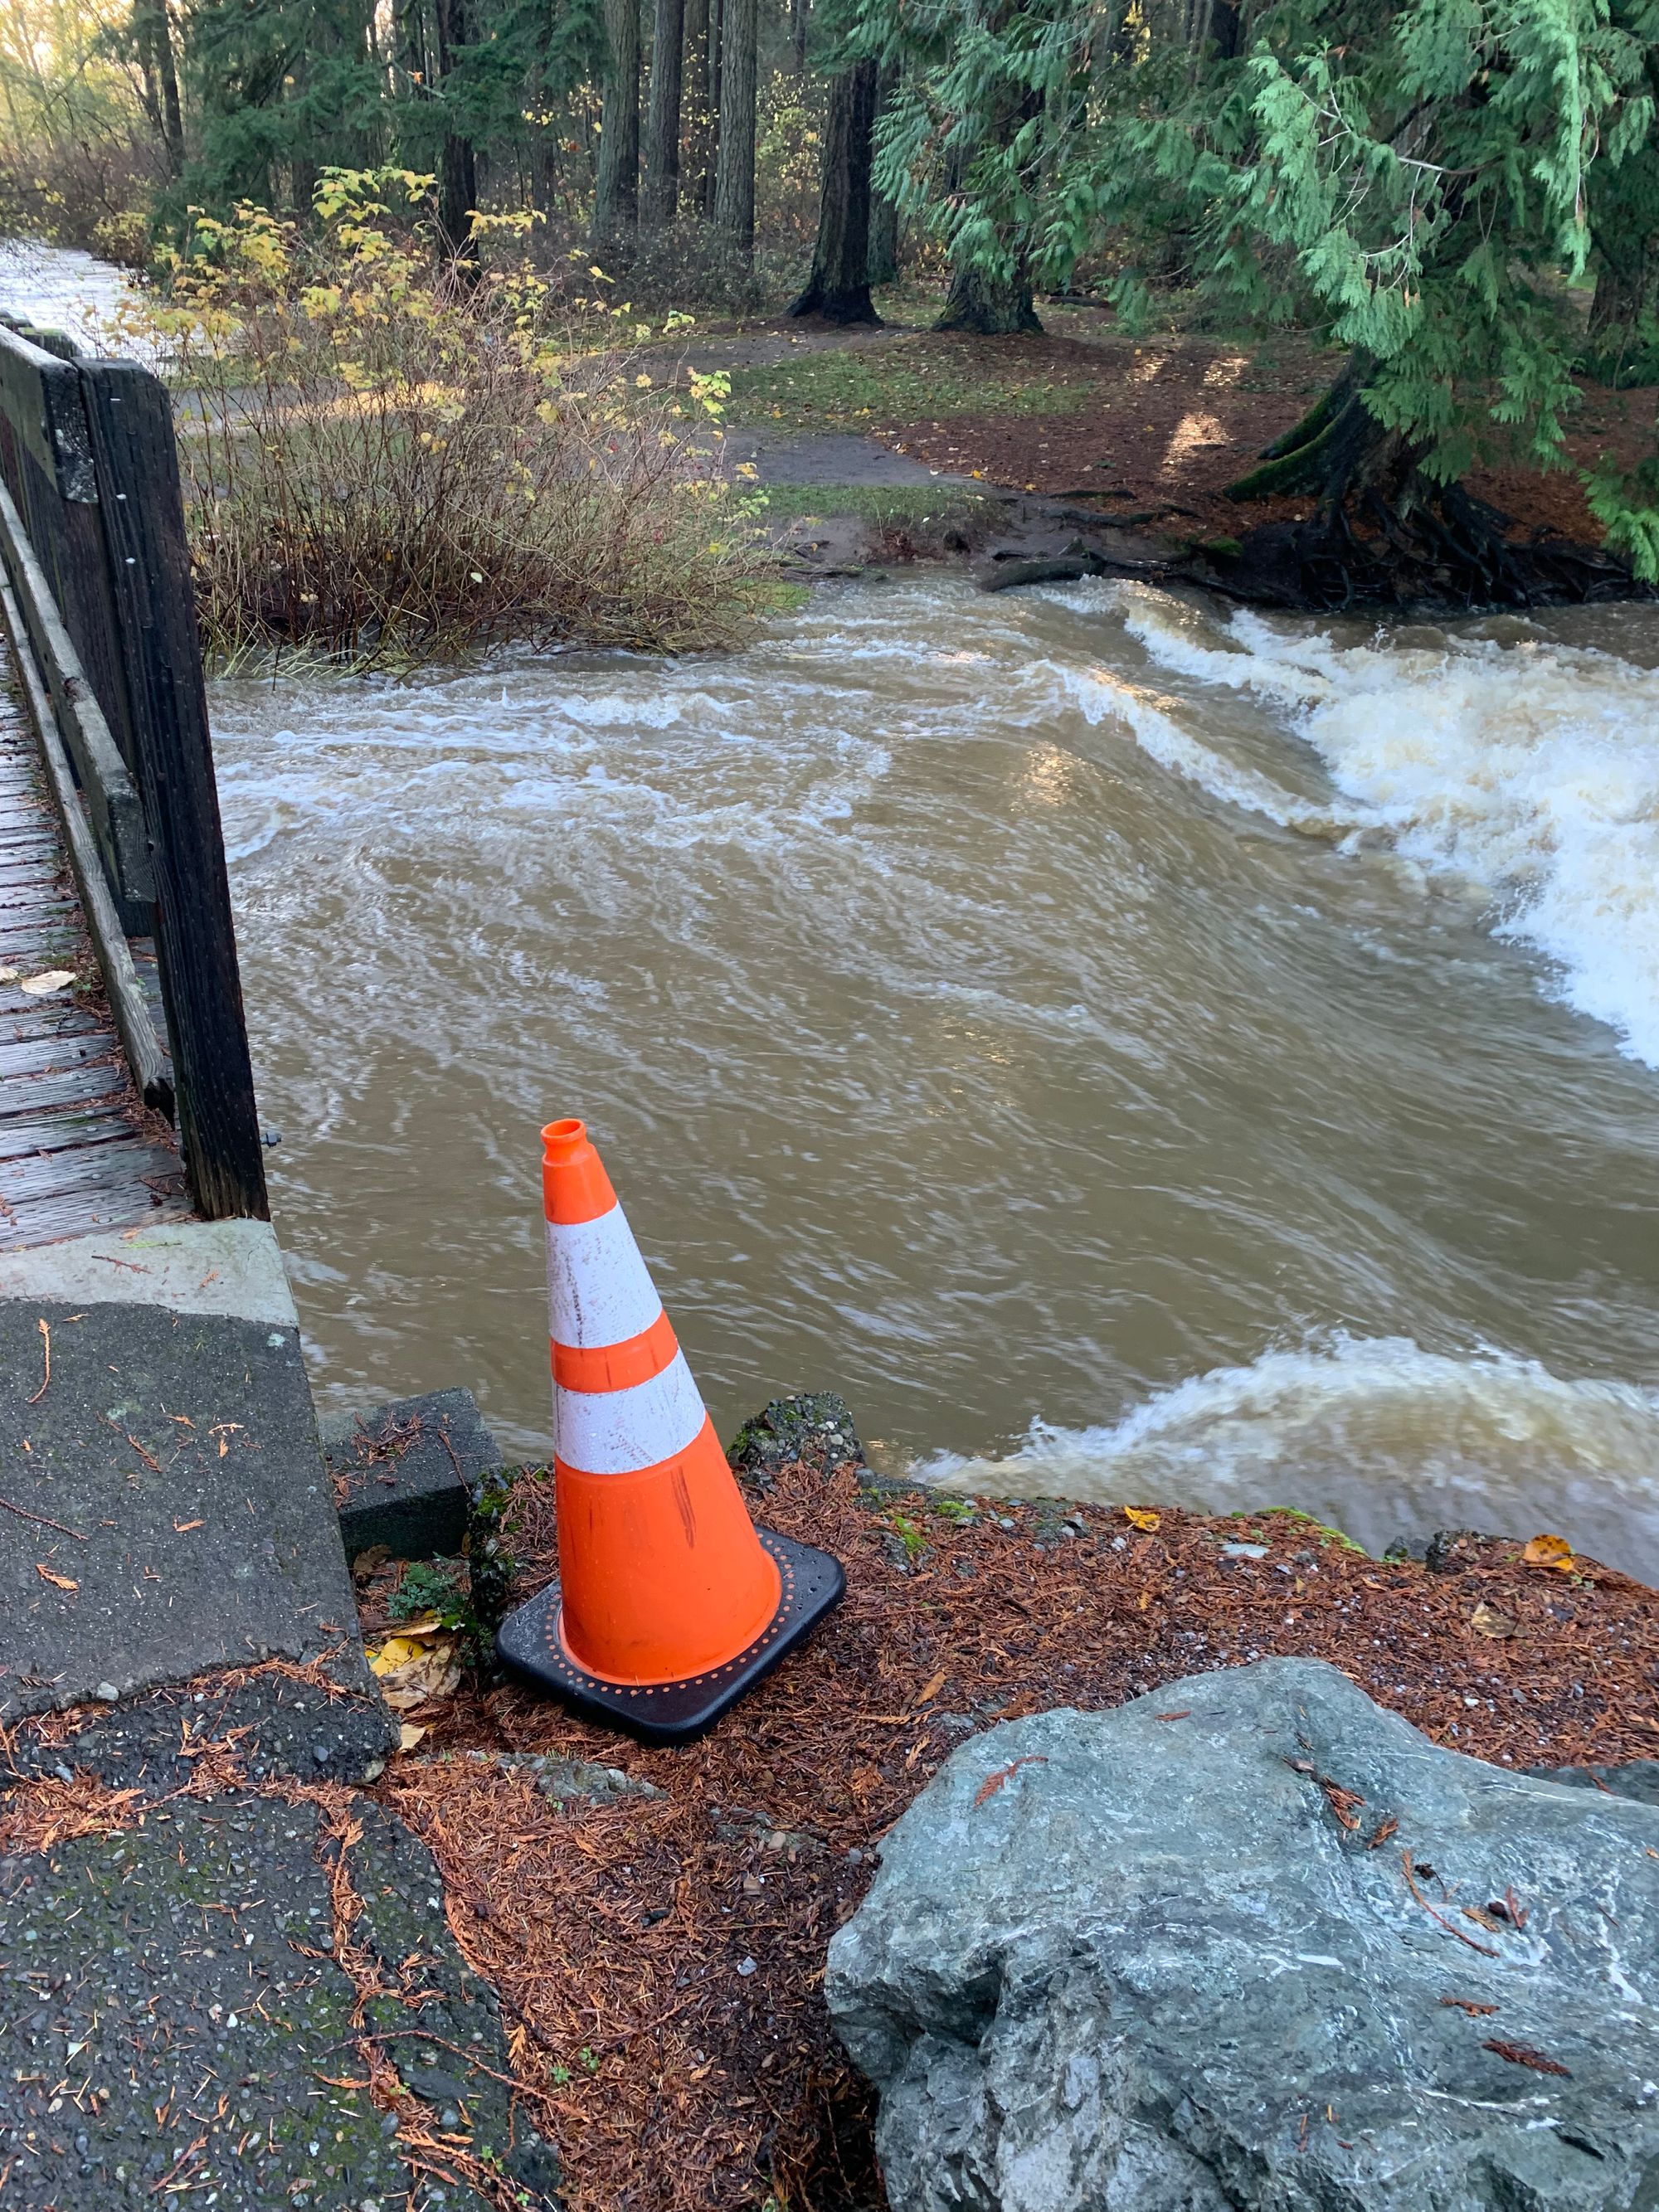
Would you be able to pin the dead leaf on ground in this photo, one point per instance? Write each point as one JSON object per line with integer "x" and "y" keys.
{"x": 58, "y": 1582}
{"x": 413, "y": 1669}
{"x": 1488, "y": 1620}
{"x": 1138, "y": 1518}
{"x": 931, "y": 1687}
{"x": 54, "y": 979}
{"x": 1468, "y": 2005}
{"x": 409, "y": 1735}
{"x": 1548, "y": 1552}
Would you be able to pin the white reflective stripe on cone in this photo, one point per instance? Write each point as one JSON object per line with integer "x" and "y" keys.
{"x": 599, "y": 1289}
{"x": 618, "y": 1431}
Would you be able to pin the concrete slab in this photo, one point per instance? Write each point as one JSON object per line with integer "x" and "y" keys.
{"x": 404, "y": 1474}
{"x": 165, "y": 1504}
{"x": 188, "y": 1266}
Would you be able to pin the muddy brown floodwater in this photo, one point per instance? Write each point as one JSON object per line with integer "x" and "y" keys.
{"x": 1130, "y": 1050}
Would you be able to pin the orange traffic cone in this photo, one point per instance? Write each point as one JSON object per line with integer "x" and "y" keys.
{"x": 670, "y": 1603}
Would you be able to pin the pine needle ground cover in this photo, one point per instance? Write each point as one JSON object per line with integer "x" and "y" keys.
{"x": 655, "y": 1922}
{"x": 1154, "y": 426}
{"x": 659, "y": 1957}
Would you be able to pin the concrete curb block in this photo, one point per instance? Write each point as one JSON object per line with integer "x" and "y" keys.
{"x": 233, "y": 1268}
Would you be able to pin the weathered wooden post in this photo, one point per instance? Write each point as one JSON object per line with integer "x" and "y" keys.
{"x": 131, "y": 419}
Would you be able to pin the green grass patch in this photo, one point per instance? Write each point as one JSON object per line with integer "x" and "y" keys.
{"x": 913, "y": 379}
{"x": 935, "y": 505}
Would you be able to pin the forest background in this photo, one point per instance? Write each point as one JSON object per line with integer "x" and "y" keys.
{"x": 1453, "y": 204}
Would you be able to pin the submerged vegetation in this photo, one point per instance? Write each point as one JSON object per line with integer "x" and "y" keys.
{"x": 392, "y": 456}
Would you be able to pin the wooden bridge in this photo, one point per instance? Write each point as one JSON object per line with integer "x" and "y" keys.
{"x": 126, "y": 1095}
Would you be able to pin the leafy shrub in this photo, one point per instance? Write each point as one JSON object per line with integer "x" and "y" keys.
{"x": 389, "y": 457}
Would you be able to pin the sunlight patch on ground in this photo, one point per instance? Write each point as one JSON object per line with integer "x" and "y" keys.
{"x": 1147, "y": 366}
{"x": 1192, "y": 434}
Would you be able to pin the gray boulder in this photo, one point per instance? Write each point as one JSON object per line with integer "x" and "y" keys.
{"x": 1251, "y": 1943}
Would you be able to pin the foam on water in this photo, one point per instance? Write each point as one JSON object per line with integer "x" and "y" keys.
{"x": 1531, "y": 767}
{"x": 941, "y": 979}
{"x": 1374, "y": 1434}
{"x": 1101, "y": 693}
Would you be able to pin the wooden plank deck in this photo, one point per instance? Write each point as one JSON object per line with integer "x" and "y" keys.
{"x": 78, "y": 1151}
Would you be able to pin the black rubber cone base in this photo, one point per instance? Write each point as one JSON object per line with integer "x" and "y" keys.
{"x": 675, "y": 1712}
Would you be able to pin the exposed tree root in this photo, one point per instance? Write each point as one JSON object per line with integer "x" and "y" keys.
{"x": 1449, "y": 554}
{"x": 1384, "y": 534}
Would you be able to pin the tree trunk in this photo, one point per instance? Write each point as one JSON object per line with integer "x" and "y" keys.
{"x": 990, "y": 306}
{"x": 696, "y": 115}
{"x": 712, "y": 105}
{"x": 883, "y": 267}
{"x": 1626, "y": 296}
{"x": 734, "y": 176}
{"x": 457, "y": 179}
{"x": 1380, "y": 530}
{"x": 617, "y": 193}
{"x": 1213, "y": 30}
{"x": 798, "y": 13}
{"x": 662, "y": 141}
{"x": 1225, "y": 28}
{"x": 408, "y": 46}
{"x": 1329, "y": 439}
{"x": 155, "y": 36}
{"x": 839, "y": 287}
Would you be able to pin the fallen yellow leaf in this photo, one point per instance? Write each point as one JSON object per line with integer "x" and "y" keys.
{"x": 1138, "y": 1518}
{"x": 1548, "y": 1552}
{"x": 411, "y": 1672}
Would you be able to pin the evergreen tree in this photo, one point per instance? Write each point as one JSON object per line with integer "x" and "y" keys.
{"x": 662, "y": 146}
{"x": 617, "y": 193}
{"x": 734, "y": 171}
{"x": 838, "y": 288}
{"x": 1414, "y": 180}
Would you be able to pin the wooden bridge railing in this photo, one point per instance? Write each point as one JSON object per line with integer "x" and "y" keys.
{"x": 98, "y": 593}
